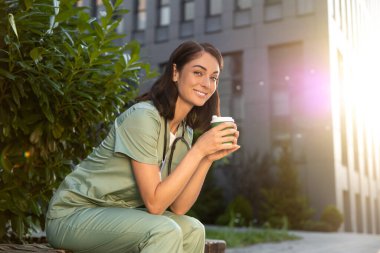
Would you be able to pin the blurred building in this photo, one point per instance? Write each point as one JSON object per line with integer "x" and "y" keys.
{"x": 298, "y": 74}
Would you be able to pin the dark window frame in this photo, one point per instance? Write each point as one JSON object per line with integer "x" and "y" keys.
{"x": 160, "y": 7}
{"x": 137, "y": 12}
{"x": 183, "y": 10}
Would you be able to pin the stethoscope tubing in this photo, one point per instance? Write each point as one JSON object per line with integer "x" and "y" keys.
{"x": 181, "y": 138}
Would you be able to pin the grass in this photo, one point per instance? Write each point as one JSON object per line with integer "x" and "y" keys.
{"x": 240, "y": 237}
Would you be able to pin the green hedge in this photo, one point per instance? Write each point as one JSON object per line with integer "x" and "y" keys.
{"x": 62, "y": 78}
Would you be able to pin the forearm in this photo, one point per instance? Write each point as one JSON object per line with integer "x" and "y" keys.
{"x": 190, "y": 193}
{"x": 165, "y": 192}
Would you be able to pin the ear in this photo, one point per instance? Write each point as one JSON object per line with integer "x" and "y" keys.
{"x": 175, "y": 73}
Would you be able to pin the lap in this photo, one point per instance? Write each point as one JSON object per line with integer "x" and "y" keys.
{"x": 93, "y": 229}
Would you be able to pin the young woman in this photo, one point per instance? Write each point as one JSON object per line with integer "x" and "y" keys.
{"x": 132, "y": 192}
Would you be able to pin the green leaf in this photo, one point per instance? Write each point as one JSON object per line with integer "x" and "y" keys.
{"x": 98, "y": 30}
{"x": 5, "y": 163}
{"x": 36, "y": 88}
{"x": 7, "y": 74}
{"x": 15, "y": 95}
{"x": 35, "y": 136}
{"x": 47, "y": 112}
{"x": 36, "y": 54}
{"x": 11, "y": 20}
{"x": 28, "y": 4}
{"x": 65, "y": 32}
{"x": 118, "y": 3}
{"x": 57, "y": 131}
{"x": 55, "y": 85}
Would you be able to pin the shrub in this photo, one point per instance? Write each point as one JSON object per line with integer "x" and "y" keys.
{"x": 210, "y": 203}
{"x": 238, "y": 213}
{"x": 319, "y": 226}
{"x": 284, "y": 198}
{"x": 332, "y": 216}
{"x": 61, "y": 77}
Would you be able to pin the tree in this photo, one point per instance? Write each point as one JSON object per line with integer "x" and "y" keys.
{"x": 283, "y": 201}
{"x": 62, "y": 79}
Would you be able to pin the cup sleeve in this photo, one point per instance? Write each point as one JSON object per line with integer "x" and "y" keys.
{"x": 137, "y": 136}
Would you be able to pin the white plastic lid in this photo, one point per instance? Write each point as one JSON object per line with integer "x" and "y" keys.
{"x": 221, "y": 119}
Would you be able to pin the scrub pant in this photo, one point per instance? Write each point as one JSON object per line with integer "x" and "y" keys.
{"x": 109, "y": 229}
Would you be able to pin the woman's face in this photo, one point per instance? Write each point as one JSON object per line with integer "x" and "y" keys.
{"x": 197, "y": 80}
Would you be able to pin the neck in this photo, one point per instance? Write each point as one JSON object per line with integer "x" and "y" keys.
{"x": 181, "y": 111}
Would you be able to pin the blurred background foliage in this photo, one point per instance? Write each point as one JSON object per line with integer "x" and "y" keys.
{"x": 63, "y": 78}
{"x": 266, "y": 193}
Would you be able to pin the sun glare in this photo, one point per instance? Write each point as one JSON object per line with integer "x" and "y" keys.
{"x": 366, "y": 91}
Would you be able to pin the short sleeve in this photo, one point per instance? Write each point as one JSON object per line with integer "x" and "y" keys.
{"x": 137, "y": 133}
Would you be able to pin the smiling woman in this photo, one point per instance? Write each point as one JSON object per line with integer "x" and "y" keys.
{"x": 132, "y": 192}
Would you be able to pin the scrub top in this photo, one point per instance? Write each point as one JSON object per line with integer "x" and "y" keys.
{"x": 105, "y": 177}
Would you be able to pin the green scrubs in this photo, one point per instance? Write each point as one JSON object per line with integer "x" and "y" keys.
{"x": 96, "y": 207}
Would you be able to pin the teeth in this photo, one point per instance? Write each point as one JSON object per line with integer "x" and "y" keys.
{"x": 200, "y": 93}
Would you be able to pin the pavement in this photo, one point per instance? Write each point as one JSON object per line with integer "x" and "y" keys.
{"x": 316, "y": 242}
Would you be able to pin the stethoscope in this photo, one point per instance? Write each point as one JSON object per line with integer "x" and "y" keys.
{"x": 176, "y": 140}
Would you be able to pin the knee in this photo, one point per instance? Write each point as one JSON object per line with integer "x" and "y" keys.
{"x": 168, "y": 228}
{"x": 194, "y": 226}
{"x": 198, "y": 227}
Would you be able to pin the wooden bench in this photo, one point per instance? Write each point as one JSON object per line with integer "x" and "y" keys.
{"x": 211, "y": 246}
{"x": 215, "y": 246}
{"x": 35, "y": 247}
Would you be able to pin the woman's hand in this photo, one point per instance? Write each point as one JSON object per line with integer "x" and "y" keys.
{"x": 219, "y": 141}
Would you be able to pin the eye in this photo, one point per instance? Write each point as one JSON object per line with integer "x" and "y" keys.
{"x": 198, "y": 73}
{"x": 214, "y": 78}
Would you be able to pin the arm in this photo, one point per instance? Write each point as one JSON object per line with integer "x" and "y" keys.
{"x": 191, "y": 192}
{"x": 159, "y": 194}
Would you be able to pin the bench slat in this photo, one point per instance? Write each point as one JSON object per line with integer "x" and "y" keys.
{"x": 211, "y": 246}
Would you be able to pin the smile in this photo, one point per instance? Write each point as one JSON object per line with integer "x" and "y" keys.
{"x": 202, "y": 94}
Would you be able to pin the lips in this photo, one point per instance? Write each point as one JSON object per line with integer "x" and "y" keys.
{"x": 200, "y": 93}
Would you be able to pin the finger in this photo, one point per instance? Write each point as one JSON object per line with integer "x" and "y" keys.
{"x": 229, "y": 139}
{"x": 230, "y": 146}
{"x": 225, "y": 125}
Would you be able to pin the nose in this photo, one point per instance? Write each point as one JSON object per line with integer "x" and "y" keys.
{"x": 206, "y": 82}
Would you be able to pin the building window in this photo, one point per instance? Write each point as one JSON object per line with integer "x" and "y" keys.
{"x": 365, "y": 152}
{"x": 140, "y": 20}
{"x": 243, "y": 13}
{"x": 347, "y": 211}
{"x": 241, "y": 5}
{"x": 214, "y": 15}
{"x": 343, "y": 119}
{"x": 305, "y": 7}
{"x": 163, "y": 12}
{"x": 287, "y": 119}
{"x": 187, "y": 10}
{"x": 163, "y": 20}
{"x": 340, "y": 8}
{"x": 377, "y": 224}
{"x": 272, "y": 10}
{"x": 230, "y": 88}
{"x": 187, "y": 18}
{"x": 333, "y": 9}
{"x": 214, "y": 7}
{"x": 230, "y": 82}
{"x": 95, "y": 7}
{"x": 356, "y": 142}
{"x": 359, "y": 215}
{"x": 369, "y": 214}
{"x": 373, "y": 156}
{"x": 140, "y": 15}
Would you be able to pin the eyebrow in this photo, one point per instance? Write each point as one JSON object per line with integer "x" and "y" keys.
{"x": 200, "y": 66}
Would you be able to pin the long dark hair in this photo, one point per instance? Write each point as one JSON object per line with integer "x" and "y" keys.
{"x": 164, "y": 92}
